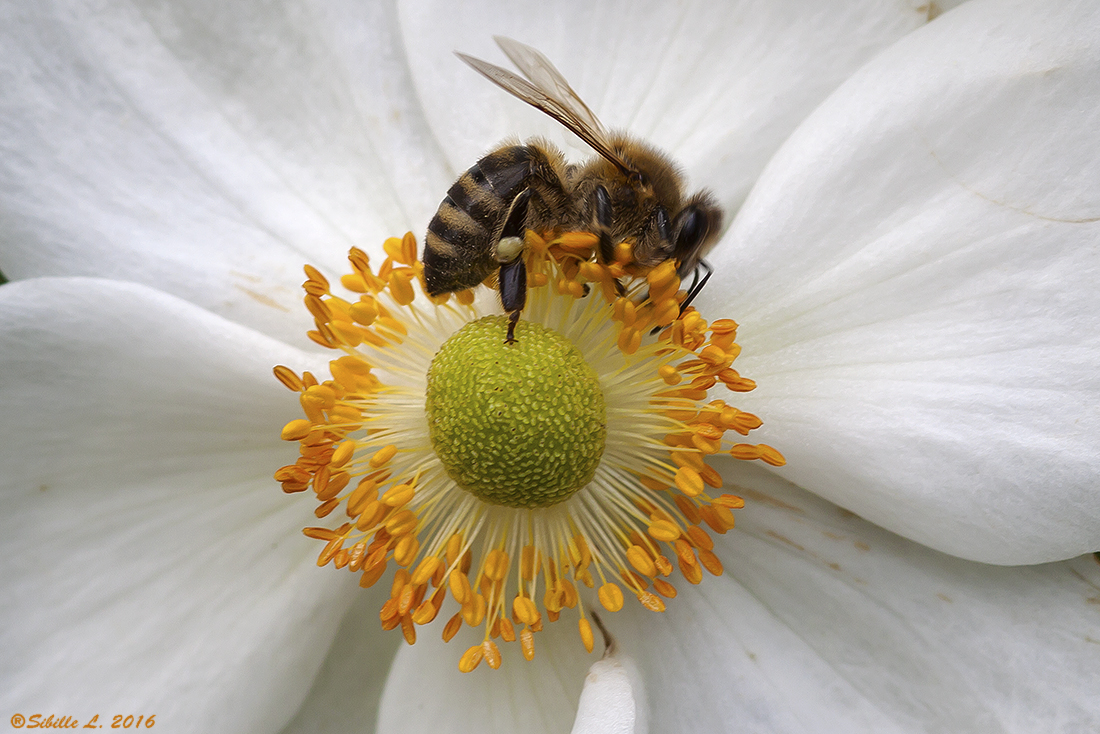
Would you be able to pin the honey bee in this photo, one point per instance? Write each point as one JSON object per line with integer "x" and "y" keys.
{"x": 630, "y": 192}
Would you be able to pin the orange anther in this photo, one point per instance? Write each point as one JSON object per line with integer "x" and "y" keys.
{"x": 286, "y": 376}
{"x": 402, "y": 523}
{"x": 471, "y": 658}
{"x": 527, "y": 644}
{"x": 525, "y": 610}
{"x": 401, "y": 289}
{"x": 688, "y": 481}
{"x": 315, "y": 275}
{"x": 404, "y": 553}
{"x": 398, "y": 495}
{"x": 641, "y": 561}
{"x": 460, "y": 586}
{"x": 611, "y": 596}
{"x": 454, "y": 547}
{"x": 383, "y": 456}
{"x": 699, "y": 538}
{"x": 652, "y": 602}
{"x": 364, "y": 311}
{"x": 710, "y": 562}
{"x": 342, "y": 454}
{"x": 664, "y": 530}
{"x": 392, "y": 248}
{"x": 452, "y": 627}
{"x": 424, "y": 570}
{"x": 629, "y": 340}
{"x": 296, "y": 430}
{"x": 669, "y": 374}
{"x": 664, "y": 588}
{"x": 496, "y": 564}
{"x": 491, "y": 653}
{"x": 585, "y": 628}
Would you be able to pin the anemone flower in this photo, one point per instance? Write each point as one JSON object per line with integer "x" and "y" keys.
{"x": 912, "y": 249}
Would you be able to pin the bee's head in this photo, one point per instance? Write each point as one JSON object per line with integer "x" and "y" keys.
{"x": 694, "y": 230}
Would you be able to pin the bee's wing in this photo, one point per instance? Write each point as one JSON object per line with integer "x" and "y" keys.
{"x": 534, "y": 65}
{"x": 547, "y": 91}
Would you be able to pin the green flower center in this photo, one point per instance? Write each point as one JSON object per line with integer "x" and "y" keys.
{"x": 520, "y": 425}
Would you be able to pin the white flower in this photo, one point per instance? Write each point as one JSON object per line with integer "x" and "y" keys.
{"x": 914, "y": 271}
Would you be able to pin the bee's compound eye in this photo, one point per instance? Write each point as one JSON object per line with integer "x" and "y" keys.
{"x": 693, "y": 228}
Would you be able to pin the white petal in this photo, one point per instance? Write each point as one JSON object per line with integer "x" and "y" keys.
{"x": 825, "y": 623}
{"x": 344, "y": 698}
{"x": 426, "y": 691}
{"x": 151, "y": 565}
{"x": 718, "y": 86}
{"x": 207, "y": 148}
{"x": 916, "y": 278}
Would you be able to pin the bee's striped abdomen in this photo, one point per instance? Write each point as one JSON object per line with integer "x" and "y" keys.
{"x": 460, "y": 247}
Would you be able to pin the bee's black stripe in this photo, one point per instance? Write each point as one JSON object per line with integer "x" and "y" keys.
{"x": 460, "y": 247}
{"x": 473, "y": 194}
{"x": 457, "y": 227}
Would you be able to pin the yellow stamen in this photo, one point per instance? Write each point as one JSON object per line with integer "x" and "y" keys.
{"x": 611, "y": 596}
{"x": 665, "y": 530}
{"x": 383, "y": 456}
{"x": 398, "y": 495}
{"x": 511, "y": 569}
{"x": 688, "y": 480}
{"x": 471, "y": 658}
{"x": 296, "y": 430}
{"x": 586, "y": 634}
{"x": 527, "y": 643}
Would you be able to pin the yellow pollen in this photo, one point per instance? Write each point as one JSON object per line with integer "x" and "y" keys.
{"x": 651, "y": 602}
{"x": 393, "y": 510}
{"x": 624, "y": 252}
{"x": 527, "y": 643}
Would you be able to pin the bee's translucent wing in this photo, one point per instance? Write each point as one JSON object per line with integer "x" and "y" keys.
{"x": 543, "y": 92}
{"x": 534, "y": 65}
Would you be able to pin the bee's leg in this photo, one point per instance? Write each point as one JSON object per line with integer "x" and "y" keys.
{"x": 654, "y": 240}
{"x": 601, "y": 208}
{"x": 601, "y": 223}
{"x": 663, "y": 226}
{"x": 513, "y": 268}
{"x": 654, "y": 244}
{"x": 658, "y": 232}
{"x": 513, "y": 293}
{"x": 698, "y": 283}
{"x": 509, "y": 245}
